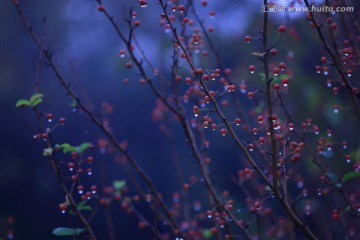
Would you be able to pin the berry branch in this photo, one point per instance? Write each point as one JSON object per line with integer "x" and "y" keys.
{"x": 97, "y": 122}
{"x": 354, "y": 93}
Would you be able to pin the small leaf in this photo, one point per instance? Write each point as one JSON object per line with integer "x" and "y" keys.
{"x": 259, "y": 55}
{"x": 83, "y": 207}
{"x": 207, "y": 233}
{"x": 36, "y": 96}
{"x": 332, "y": 176}
{"x": 119, "y": 184}
{"x": 83, "y": 147}
{"x": 64, "y": 231}
{"x": 36, "y": 102}
{"x": 350, "y": 175}
{"x": 73, "y": 103}
{"x": 259, "y": 108}
{"x": 348, "y": 208}
{"x": 262, "y": 76}
{"x": 328, "y": 154}
{"x": 68, "y": 148}
{"x": 22, "y": 102}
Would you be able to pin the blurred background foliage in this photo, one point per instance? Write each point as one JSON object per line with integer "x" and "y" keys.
{"x": 85, "y": 48}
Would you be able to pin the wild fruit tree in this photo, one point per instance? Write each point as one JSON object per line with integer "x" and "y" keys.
{"x": 259, "y": 127}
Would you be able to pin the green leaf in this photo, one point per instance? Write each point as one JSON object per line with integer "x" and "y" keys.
{"x": 36, "y": 96}
{"x": 35, "y": 99}
{"x": 68, "y": 148}
{"x": 119, "y": 184}
{"x": 207, "y": 233}
{"x": 348, "y": 208}
{"x": 83, "y": 147}
{"x": 332, "y": 176}
{"x": 64, "y": 231}
{"x": 36, "y": 102}
{"x": 22, "y": 102}
{"x": 259, "y": 108}
{"x": 83, "y": 207}
{"x": 262, "y": 76}
{"x": 350, "y": 175}
{"x": 73, "y": 103}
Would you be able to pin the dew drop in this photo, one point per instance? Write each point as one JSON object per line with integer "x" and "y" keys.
{"x": 63, "y": 211}
{"x": 326, "y": 73}
{"x": 252, "y": 71}
{"x": 349, "y": 75}
{"x": 80, "y": 192}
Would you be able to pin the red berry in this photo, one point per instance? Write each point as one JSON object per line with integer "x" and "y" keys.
{"x": 252, "y": 68}
{"x": 90, "y": 159}
{"x": 136, "y": 23}
{"x": 101, "y": 8}
{"x": 223, "y": 131}
{"x": 247, "y": 39}
{"x": 257, "y": 204}
{"x": 285, "y": 81}
{"x": 128, "y": 65}
{"x": 74, "y": 154}
{"x": 273, "y": 51}
{"x": 282, "y": 66}
{"x": 143, "y": 3}
{"x": 205, "y": 77}
{"x": 63, "y": 206}
{"x": 49, "y": 117}
{"x": 275, "y": 71}
{"x": 251, "y": 147}
{"x": 181, "y": 8}
{"x": 71, "y": 166}
{"x": 282, "y": 29}
{"x": 62, "y": 121}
